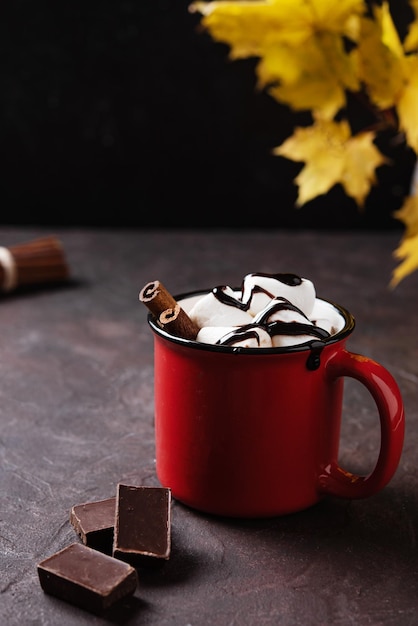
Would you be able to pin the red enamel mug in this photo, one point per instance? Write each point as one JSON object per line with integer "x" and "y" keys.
{"x": 255, "y": 432}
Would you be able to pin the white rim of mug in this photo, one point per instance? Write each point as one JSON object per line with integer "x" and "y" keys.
{"x": 211, "y": 347}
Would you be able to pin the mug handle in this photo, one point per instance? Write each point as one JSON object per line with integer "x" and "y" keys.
{"x": 380, "y": 383}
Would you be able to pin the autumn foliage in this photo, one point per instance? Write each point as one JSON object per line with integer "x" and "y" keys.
{"x": 311, "y": 55}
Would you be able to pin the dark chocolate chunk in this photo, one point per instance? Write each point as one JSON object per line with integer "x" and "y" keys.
{"x": 86, "y": 577}
{"x": 94, "y": 523}
{"x": 142, "y": 533}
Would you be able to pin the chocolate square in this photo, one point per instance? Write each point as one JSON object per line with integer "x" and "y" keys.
{"x": 142, "y": 534}
{"x": 94, "y": 523}
{"x": 86, "y": 577}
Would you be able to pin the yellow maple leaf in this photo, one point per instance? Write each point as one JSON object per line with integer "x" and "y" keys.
{"x": 332, "y": 156}
{"x": 407, "y": 251}
{"x": 407, "y": 105}
{"x": 389, "y": 33}
{"x": 380, "y": 58}
{"x": 245, "y": 26}
{"x": 411, "y": 40}
{"x": 362, "y": 160}
{"x": 390, "y": 75}
{"x": 238, "y": 22}
{"x": 303, "y": 60}
{"x": 314, "y": 76}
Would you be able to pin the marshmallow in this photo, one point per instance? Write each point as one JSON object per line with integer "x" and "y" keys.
{"x": 301, "y": 293}
{"x": 280, "y": 313}
{"x": 324, "y": 315}
{"x": 248, "y": 336}
{"x": 212, "y": 334}
{"x": 270, "y": 310}
{"x": 210, "y": 311}
{"x": 283, "y": 341}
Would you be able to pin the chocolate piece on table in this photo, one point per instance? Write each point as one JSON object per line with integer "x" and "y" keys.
{"x": 142, "y": 533}
{"x": 94, "y": 523}
{"x": 86, "y": 577}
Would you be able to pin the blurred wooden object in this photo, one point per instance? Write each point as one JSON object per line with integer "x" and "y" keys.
{"x": 33, "y": 262}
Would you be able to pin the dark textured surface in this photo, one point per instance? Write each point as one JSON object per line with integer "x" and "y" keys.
{"x": 76, "y": 418}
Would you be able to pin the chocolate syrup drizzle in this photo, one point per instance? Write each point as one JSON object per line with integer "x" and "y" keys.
{"x": 242, "y": 333}
{"x": 292, "y": 280}
{"x": 275, "y": 327}
{"x": 279, "y": 304}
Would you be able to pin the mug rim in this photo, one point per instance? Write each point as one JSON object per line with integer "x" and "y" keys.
{"x": 347, "y": 329}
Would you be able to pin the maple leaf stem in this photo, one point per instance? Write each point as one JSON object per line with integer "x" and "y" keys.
{"x": 385, "y": 118}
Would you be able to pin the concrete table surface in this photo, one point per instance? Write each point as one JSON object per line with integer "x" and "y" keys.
{"x": 76, "y": 418}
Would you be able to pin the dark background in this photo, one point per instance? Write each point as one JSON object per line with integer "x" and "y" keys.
{"x": 120, "y": 113}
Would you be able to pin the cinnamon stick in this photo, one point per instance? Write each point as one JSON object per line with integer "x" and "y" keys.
{"x": 167, "y": 311}
{"x": 32, "y": 262}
